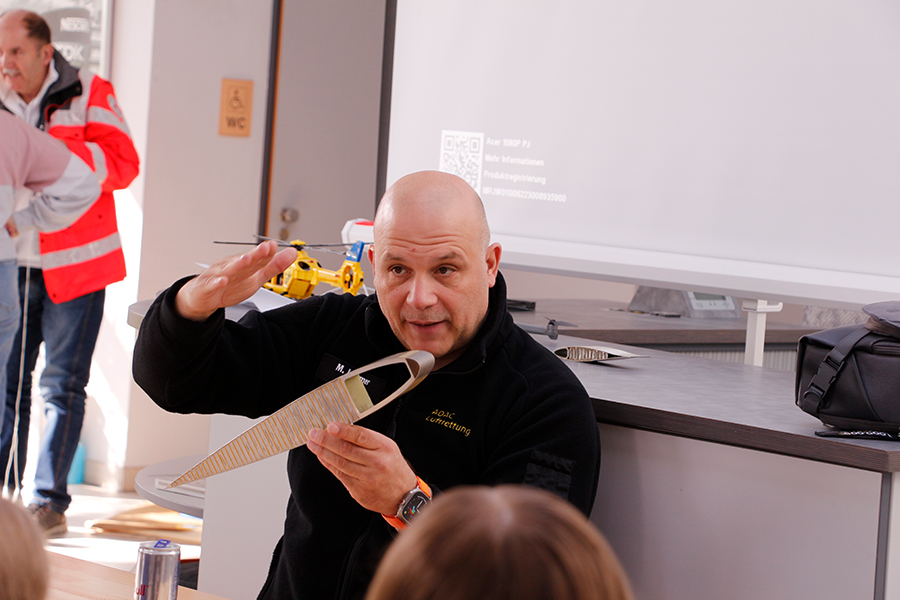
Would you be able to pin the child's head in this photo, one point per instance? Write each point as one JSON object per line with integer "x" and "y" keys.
{"x": 24, "y": 571}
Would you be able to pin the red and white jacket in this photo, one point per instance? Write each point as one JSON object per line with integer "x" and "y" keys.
{"x": 64, "y": 187}
{"x": 80, "y": 109}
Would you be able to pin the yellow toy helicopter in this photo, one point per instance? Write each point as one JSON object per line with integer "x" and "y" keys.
{"x": 302, "y": 277}
{"x": 305, "y": 273}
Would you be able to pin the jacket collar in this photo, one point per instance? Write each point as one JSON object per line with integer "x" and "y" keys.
{"x": 67, "y": 86}
{"x": 491, "y": 334}
{"x": 68, "y": 75}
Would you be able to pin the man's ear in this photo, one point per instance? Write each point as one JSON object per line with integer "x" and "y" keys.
{"x": 493, "y": 262}
{"x": 46, "y": 54}
{"x": 371, "y": 253}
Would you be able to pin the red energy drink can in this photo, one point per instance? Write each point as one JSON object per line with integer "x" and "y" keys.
{"x": 156, "y": 577}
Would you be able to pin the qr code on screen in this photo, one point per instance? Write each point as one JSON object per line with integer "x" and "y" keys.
{"x": 462, "y": 153}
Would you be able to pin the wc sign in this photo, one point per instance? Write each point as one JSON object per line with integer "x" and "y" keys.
{"x": 236, "y": 107}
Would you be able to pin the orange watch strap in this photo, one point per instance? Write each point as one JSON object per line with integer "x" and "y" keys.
{"x": 423, "y": 486}
{"x": 398, "y": 523}
{"x": 394, "y": 522}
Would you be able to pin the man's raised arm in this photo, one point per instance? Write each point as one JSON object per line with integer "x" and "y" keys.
{"x": 231, "y": 280}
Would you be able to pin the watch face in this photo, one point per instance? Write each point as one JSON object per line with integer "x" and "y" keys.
{"x": 413, "y": 504}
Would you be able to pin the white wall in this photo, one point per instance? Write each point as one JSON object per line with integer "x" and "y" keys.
{"x": 527, "y": 285}
{"x": 169, "y": 58}
{"x": 201, "y": 186}
{"x": 105, "y": 433}
{"x": 325, "y": 155}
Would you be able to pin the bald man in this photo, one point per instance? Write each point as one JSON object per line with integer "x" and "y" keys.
{"x": 498, "y": 408}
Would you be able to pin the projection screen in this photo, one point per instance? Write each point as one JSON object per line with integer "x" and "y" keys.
{"x": 744, "y": 148}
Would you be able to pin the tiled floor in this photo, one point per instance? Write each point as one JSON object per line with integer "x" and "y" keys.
{"x": 114, "y": 550}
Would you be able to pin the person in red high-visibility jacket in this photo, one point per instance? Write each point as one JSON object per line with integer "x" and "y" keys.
{"x": 65, "y": 272}
{"x": 64, "y": 188}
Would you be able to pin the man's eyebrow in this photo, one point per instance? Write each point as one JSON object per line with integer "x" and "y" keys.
{"x": 451, "y": 255}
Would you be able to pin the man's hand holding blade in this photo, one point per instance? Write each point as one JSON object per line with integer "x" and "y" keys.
{"x": 368, "y": 463}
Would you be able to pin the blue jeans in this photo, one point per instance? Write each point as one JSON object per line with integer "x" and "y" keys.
{"x": 9, "y": 323}
{"x": 69, "y": 332}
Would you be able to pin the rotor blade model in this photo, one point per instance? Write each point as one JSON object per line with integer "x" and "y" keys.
{"x": 343, "y": 399}
{"x": 594, "y": 354}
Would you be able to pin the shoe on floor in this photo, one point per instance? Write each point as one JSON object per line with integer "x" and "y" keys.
{"x": 52, "y": 522}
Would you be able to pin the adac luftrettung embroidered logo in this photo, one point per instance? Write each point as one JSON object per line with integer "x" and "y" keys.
{"x": 445, "y": 418}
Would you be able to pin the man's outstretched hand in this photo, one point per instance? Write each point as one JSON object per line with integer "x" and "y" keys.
{"x": 232, "y": 280}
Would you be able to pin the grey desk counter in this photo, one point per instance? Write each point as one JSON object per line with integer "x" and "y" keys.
{"x": 718, "y": 401}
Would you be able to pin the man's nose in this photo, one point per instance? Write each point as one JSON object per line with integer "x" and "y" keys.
{"x": 421, "y": 292}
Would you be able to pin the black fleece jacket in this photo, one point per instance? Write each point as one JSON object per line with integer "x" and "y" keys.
{"x": 506, "y": 411}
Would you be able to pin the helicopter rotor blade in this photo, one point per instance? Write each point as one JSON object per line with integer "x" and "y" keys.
{"x": 280, "y": 243}
{"x": 305, "y": 245}
{"x": 283, "y": 244}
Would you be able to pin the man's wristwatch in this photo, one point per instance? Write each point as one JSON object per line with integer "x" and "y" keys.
{"x": 411, "y": 504}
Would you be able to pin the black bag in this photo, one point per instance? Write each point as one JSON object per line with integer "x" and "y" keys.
{"x": 849, "y": 377}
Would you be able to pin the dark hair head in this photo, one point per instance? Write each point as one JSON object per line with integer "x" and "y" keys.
{"x": 503, "y": 543}
{"x": 34, "y": 24}
{"x": 24, "y": 570}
